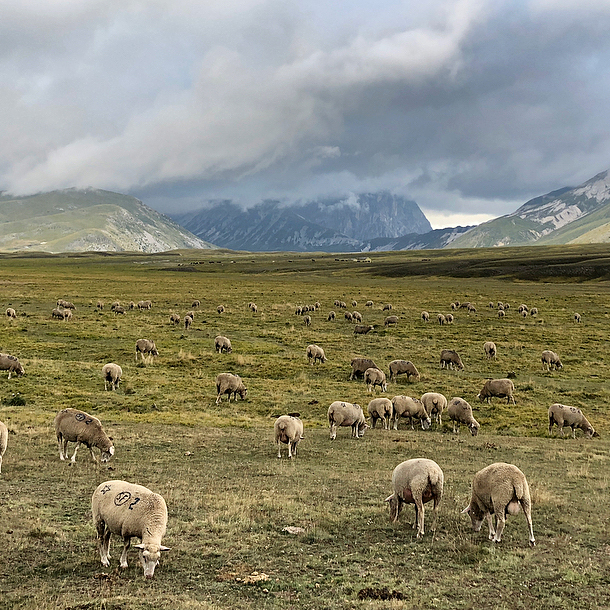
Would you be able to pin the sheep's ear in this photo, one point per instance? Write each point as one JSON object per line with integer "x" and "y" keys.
{"x": 164, "y": 548}
{"x": 111, "y": 449}
{"x": 389, "y": 498}
{"x": 139, "y": 546}
{"x": 466, "y": 510}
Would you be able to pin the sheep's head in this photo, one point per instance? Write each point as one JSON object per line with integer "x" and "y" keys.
{"x": 107, "y": 453}
{"x": 474, "y": 428}
{"x": 426, "y": 422}
{"x": 149, "y": 557}
{"x": 476, "y": 516}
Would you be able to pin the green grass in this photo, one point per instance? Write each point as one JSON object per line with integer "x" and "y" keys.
{"x": 229, "y": 497}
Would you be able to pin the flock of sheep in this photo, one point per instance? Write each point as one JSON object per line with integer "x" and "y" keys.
{"x": 129, "y": 510}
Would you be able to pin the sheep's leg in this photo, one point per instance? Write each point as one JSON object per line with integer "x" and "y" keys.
{"x": 0, "y": 463}
{"x": 333, "y": 432}
{"x": 126, "y": 545}
{"x": 103, "y": 542}
{"x": 527, "y": 511}
{"x": 500, "y": 521}
{"x": 60, "y": 444}
{"x": 105, "y": 385}
{"x": 9, "y": 374}
{"x": 395, "y": 418}
{"x": 492, "y": 529}
{"x": 419, "y": 511}
{"x": 573, "y": 432}
{"x": 279, "y": 449}
{"x": 73, "y": 459}
{"x": 92, "y": 455}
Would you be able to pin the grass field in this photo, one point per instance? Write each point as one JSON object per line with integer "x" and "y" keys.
{"x": 229, "y": 497}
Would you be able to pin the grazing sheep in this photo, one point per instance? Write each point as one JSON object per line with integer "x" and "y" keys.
{"x": 500, "y": 305}
{"x": 523, "y": 308}
{"x": 288, "y": 430}
{"x": 576, "y": 317}
{"x": 464, "y": 305}
{"x": 498, "y": 490}
{"x": 191, "y": 314}
{"x": 342, "y": 304}
{"x": 458, "y": 304}
{"x": 317, "y": 305}
{"x": 57, "y": 313}
{"x": 119, "y": 310}
{"x": 144, "y": 305}
{"x": 307, "y": 320}
{"x": 524, "y": 314}
{"x": 11, "y": 313}
{"x": 534, "y": 311}
{"x": 441, "y": 319}
{"x": 416, "y": 481}
{"x": 348, "y": 316}
{"x": 127, "y": 510}
{"x": 550, "y": 360}
{"x": 222, "y": 344}
{"x": 356, "y": 316}
{"x": 254, "y": 308}
{"x": 405, "y": 406}
{"x": 460, "y": 412}
{"x": 331, "y": 316}
{"x": 346, "y": 414}
{"x": 188, "y": 321}
{"x": 502, "y": 388}
{"x": 501, "y": 313}
{"x": 146, "y": 346}
{"x": 449, "y": 318}
{"x": 73, "y": 425}
{"x": 400, "y": 367}
{"x": 506, "y": 306}
{"x": 3, "y": 441}
{"x": 562, "y": 415}
{"x": 354, "y": 303}
{"x": 471, "y": 308}
{"x": 11, "y": 364}
{"x": 387, "y": 307}
{"x": 374, "y": 377}
{"x": 298, "y": 311}
{"x": 100, "y": 305}
{"x": 362, "y": 329}
{"x": 450, "y": 358}
{"x": 174, "y": 319}
{"x": 227, "y": 383}
{"x": 434, "y": 404}
{"x": 196, "y": 303}
{"x": 112, "y": 374}
{"x": 114, "y": 305}
{"x": 359, "y": 367}
{"x": 491, "y": 305}
{"x": 221, "y": 309}
{"x": 381, "y": 408}
{"x": 454, "y": 306}
{"x": 67, "y": 314}
{"x": 368, "y": 304}
{"x": 315, "y": 352}
{"x": 390, "y": 320}
{"x": 131, "y": 305}
{"x": 67, "y": 305}
{"x": 425, "y": 316}
{"x": 489, "y": 347}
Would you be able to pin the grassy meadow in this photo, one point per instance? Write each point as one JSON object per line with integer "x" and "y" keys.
{"x": 230, "y": 498}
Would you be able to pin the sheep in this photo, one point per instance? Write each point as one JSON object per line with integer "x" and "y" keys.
{"x": 576, "y": 317}
{"x": 425, "y": 316}
{"x": 390, "y": 320}
{"x": 500, "y": 305}
{"x": 375, "y": 377}
{"x": 100, "y": 305}
{"x": 523, "y": 307}
{"x": 67, "y": 314}
{"x": 144, "y": 305}
{"x": 222, "y": 344}
{"x": 434, "y": 404}
{"x": 307, "y": 320}
{"x": 354, "y": 303}
{"x": 342, "y": 304}
{"x": 57, "y": 313}
{"x": 502, "y": 388}
{"x": 331, "y": 316}
{"x": 146, "y": 346}
{"x": 458, "y": 304}
{"x": 220, "y": 309}
{"x": 190, "y": 314}
{"x": 569, "y": 416}
{"x": 346, "y": 414}
{"x": 196, "y": 303}
{"x": 174, "y": 319}
{"x": 449, "y": 318}
{"x": 506, "y": 306}
{"x": 471, "y": 308}
{"x": 381, "y": 408}
{"x": 491, "y": 305}
{"x": 298, "y": 311}
{"x": 119, "y": 310}
{"x": 315, "y": 352}
{"x": 359, "y": 367}
{"x": 73, "y": 425}
{"x": 131, "y": 305}
{"x": 356, "y": 316}
{"x": 362, "y": 329}
{"x": 288, "y": 430}
{"x": 369, "y": 304}
{"x": 501, "y": 313}
{"x": 524, "y": 314}
{"x": 416, "y": 481}
{"x": 534, "y": 311}
{"x": 550, "y": 360}
{"x": 489, "y": 347}
{"x": 112, "y": 373}
{"x": 348, "y": 316}
{"x": 66, "y": 304}
{"x": 450, "y": 358}
{"x": 441, "y": 319}
{"x": 114, "y": 305}
{"x": 460, "y": 412}
{"x": 405, "y": 406}
{"x": 188, "y": 321}
{"x": 227, "y": 383}
{"x": 400, "y": 367}
{"x": 11, "y": 364}
{"x": 454, "y": 306}
{"x": 3, "y": 441}
{"x": 317, "y": 305}
{"x": 254, "y": 308}
{"x": 11, "y": 313}
{"x": 387, "y": 307}
{"x": 499, "y": 489}
{"x": 126, "y": 510}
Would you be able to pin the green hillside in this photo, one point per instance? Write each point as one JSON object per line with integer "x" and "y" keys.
{"x": 592, "y": 228}
{"x": 503, "y": 231}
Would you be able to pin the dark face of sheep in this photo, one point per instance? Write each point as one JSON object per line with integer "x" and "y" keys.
{"x": 476, "y": 516}
{"x": 425, "y": 423}
{"x": 106, "y": 455}
{"x": 474, "y": 429}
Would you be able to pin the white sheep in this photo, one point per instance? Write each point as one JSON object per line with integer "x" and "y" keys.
{"x": 221, "y": 309}
{"x": 174, "y": 318}
{"x": 434, "y": 404}
{"x": 460, "y": 412}
{"x": 73, "y": 425}
{"x": 11, "y": 364}
{"x": 550, "y": 360}
{"x": 307, "y": 320}
{"x": 502, "y": 388}
{"x": 222, "y": 344}
{"x": 227, "y": 383}
{"x": 3, "y": 441}
{"x": 450, "y": 358}
{"x": 416, "y": 481}
{"x": 146, "y": 346}
{"x": 489, "y": 347}
{"x": 188, "y": 321}
{"x": 405, "y": 406}
{"x": 142, "y": 305}
{"x": 374, "y": 377}
{"x": 498, "y": 490}
{"x": 576, "y": 317}
{"x": 315, "y": 352}
{"x": 425, "y": 316}
{"x": 564, "y": 415}
{"x": 381, "y": 408}
{"x": 11, "y": 313}
{"x": 331, "y": 316}
{"x": 112, "y": 374}
{"x": 127, "y": 510}
{"x": 196, "y": 303}
{"x": 403, "y": 367}
{"x": 288, "y": 430}
{"x": 346, "y": 414}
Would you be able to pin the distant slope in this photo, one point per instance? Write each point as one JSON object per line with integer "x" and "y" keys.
{"x": 433, "y": 240}
{"x": 75, "y": 220}
{"x": 568, "y": 215}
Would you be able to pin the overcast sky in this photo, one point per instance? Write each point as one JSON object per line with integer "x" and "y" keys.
{"x": 469, "y": 107}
